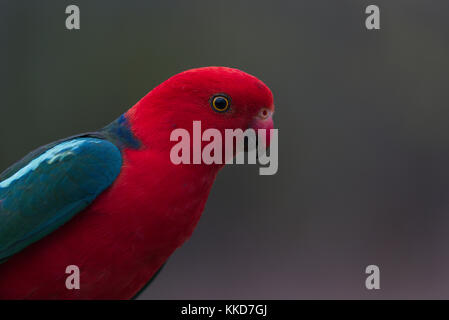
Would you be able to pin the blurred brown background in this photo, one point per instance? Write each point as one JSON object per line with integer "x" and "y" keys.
{"x": 363, "y": 125}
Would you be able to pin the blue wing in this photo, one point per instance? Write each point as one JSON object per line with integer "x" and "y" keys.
{"x": 49, "y": 186}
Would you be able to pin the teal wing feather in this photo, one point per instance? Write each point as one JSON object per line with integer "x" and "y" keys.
{"x": 48, "y": 187}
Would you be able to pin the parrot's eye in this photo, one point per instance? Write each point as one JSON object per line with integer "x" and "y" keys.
{"x": 220, "y": 103}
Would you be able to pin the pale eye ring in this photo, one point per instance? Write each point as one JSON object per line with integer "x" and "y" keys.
{"x": 220, "y": 103}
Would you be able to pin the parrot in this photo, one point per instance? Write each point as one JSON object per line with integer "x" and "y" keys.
{"x": 111, "y": 202}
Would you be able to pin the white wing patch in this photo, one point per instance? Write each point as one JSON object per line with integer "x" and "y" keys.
{"x": 56, "y": 153}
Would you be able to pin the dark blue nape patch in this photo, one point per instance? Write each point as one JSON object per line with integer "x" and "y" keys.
{"x": 119, "y": 132}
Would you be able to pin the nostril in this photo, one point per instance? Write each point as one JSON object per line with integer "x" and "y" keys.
{"x": 264, "y": 113}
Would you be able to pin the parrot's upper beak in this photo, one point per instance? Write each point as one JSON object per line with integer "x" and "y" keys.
{"x": 264, "y": 121}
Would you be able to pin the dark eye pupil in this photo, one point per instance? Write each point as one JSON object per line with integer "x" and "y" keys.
{"x": 220, "y": 103}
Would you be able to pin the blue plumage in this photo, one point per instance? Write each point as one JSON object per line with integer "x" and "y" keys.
{"x": 47, "y": 188}
{"x": 119, "y": 132}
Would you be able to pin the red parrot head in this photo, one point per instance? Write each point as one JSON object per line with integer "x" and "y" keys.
{"x": 220, "y": 97}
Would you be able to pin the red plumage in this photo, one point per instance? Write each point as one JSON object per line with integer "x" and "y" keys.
{"x": 126, "y": 235}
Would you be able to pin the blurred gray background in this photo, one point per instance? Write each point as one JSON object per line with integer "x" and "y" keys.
{"x": 363, "y": 125}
